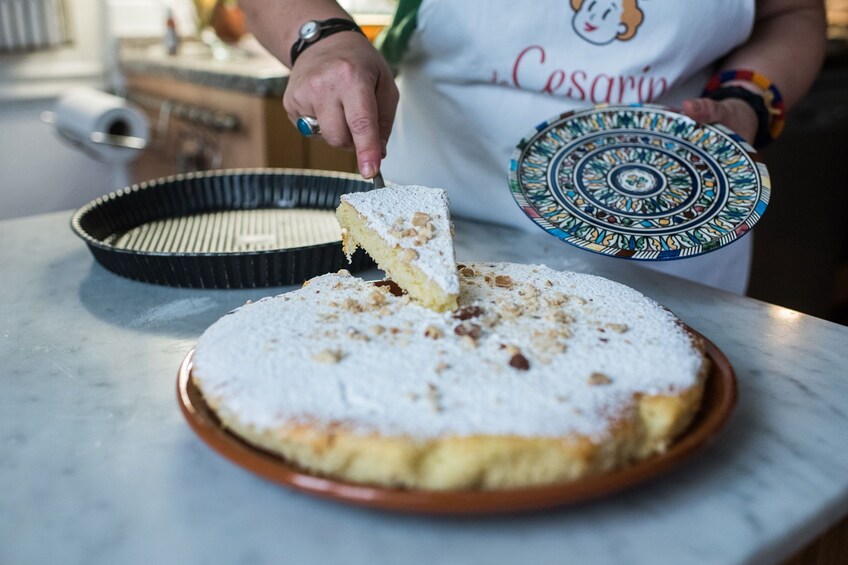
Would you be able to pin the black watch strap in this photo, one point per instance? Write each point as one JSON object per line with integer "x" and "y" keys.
{"x": 325, "y": 28}
{"x": 756, "y": 102}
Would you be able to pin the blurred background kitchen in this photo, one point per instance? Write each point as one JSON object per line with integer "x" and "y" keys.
{"x": 210, "y": 98}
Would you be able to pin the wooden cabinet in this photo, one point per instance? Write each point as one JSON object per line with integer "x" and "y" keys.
{"x": 198, "y": 127}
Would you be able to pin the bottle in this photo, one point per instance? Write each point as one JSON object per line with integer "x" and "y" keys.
{"x": 172, "y": 40}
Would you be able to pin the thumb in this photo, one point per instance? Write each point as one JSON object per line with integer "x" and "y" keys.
{"x": 705, "y": 110}
{"x": 733, "y": 113}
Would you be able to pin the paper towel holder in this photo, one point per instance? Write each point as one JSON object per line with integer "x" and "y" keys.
{"x": 100, "y": 137}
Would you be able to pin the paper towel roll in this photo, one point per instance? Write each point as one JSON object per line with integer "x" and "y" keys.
{"x": 84, "y": 115}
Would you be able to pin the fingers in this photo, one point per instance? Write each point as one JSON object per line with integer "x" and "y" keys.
{"x": 347, "y": 86}
{"x": 704, "y": 110}
{"x": 733, "y": 113}
{"x": 361, "y": 114}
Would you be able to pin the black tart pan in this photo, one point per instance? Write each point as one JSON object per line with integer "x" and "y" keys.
{"x": 237, "y": 228}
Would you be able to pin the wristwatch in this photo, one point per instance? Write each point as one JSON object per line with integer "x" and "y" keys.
{"x": 315, "y": 30}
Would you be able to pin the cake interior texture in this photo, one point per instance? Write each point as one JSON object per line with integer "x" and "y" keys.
{"x": 407, "y": 231}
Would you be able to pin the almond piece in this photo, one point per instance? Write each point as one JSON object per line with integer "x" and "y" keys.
{"x": 420, "y": 218}
{"x": 596, "y": 379}
{"x": 469, "y": 329}
{"x": 433, "y": 332}
{"x": 519, "y": 361}
{"x": 329, "y": 356}
{"x": 467, "y": 312}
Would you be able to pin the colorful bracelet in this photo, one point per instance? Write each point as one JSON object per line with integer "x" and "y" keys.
{"x": 771, "y": 97}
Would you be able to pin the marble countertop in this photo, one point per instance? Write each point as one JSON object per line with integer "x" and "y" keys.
{"x": 98, "y": 465}
{"x": 248, "y": 68}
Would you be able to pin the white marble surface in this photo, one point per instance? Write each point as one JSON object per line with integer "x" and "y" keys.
{"x": 98, "y": 466}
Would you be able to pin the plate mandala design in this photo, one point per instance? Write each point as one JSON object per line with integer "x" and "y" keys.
{"x": 641, "y": 182}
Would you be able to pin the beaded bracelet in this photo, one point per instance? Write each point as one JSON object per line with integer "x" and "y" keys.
{"x": 772, "y": 98}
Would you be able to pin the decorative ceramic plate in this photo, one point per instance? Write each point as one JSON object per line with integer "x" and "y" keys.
{"x": 716, "y": 407}
{"x": 640, "y": 182}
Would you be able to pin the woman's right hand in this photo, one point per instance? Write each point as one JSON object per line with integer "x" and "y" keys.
{"x": 347, "y": 85}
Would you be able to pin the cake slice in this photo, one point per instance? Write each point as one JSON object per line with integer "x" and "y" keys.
{"x": 408, "y": 232}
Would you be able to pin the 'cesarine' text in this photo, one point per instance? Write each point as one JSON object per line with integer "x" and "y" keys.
{"x": 530, "y": 71}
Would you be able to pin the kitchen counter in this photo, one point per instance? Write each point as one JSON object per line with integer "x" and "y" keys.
{"x": 98, "y": 465}
{"x": 250, "y": 70}
{"x": 223, "y": 112}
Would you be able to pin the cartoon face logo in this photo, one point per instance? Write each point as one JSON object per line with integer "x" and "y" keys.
{"x": 603, "y": 21}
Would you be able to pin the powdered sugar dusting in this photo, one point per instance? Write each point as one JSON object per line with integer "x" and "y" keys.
{"x": 391, "y": 212}
{"x": 339, "y": 350}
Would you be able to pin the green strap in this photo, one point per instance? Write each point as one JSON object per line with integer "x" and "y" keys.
{"x": 393, "y": 40}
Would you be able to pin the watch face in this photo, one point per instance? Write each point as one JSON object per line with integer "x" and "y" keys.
{"x": 308, "y": 31}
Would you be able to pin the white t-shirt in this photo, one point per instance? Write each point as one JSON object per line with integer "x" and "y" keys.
{"x": 477, "y": 77}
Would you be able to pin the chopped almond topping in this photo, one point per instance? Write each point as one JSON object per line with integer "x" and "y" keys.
{"x": 519, "y": 361}
{"x": 427, "y": 231}
{"x": 490, "y": 320}
{"x": 503, "y": 281}
{"x": 529, "y": 291}
{"x": 510, "y": 349}
{"x": 469, "y": 329}
{"x": 378, "y": 329}
{"x": 355, "y": 334}
{"x": 556, "y": 299}
{"x": 596, "y": 379}
{"x": 511, "y": 310}
{"x": 420, "y": 218}
{"x": 351, "y": 305}
{"x": 330, "y": 356}
{"x": 408, "y": 255}
{"x": 466, "y": 271}
{"x": 618, "y": 328}
{"x": 467, "y": 312}
{"x": 560, "y": 317}
{"x": 433, "y": 332}
{"x": 468, "y": 341}
{"x": 377, "y": 298}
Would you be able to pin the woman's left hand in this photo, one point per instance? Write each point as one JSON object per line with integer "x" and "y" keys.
{"x": 733, "y": 113}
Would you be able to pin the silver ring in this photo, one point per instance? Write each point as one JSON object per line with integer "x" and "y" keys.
{"x": 308, "y": 126}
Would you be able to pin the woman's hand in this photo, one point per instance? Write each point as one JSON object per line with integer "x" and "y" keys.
{"x": 347, "y": 85}
{"x": 733, "y": 113}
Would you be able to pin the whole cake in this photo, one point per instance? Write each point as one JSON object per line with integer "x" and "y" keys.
{"x": 538, "y": 376}
{"x": 407, "y": 231}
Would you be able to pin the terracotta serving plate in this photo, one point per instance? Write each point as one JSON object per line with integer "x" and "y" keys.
{"x": 718, "y": 403}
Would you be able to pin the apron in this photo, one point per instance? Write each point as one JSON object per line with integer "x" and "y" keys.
{"x": 477, "y": 77}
